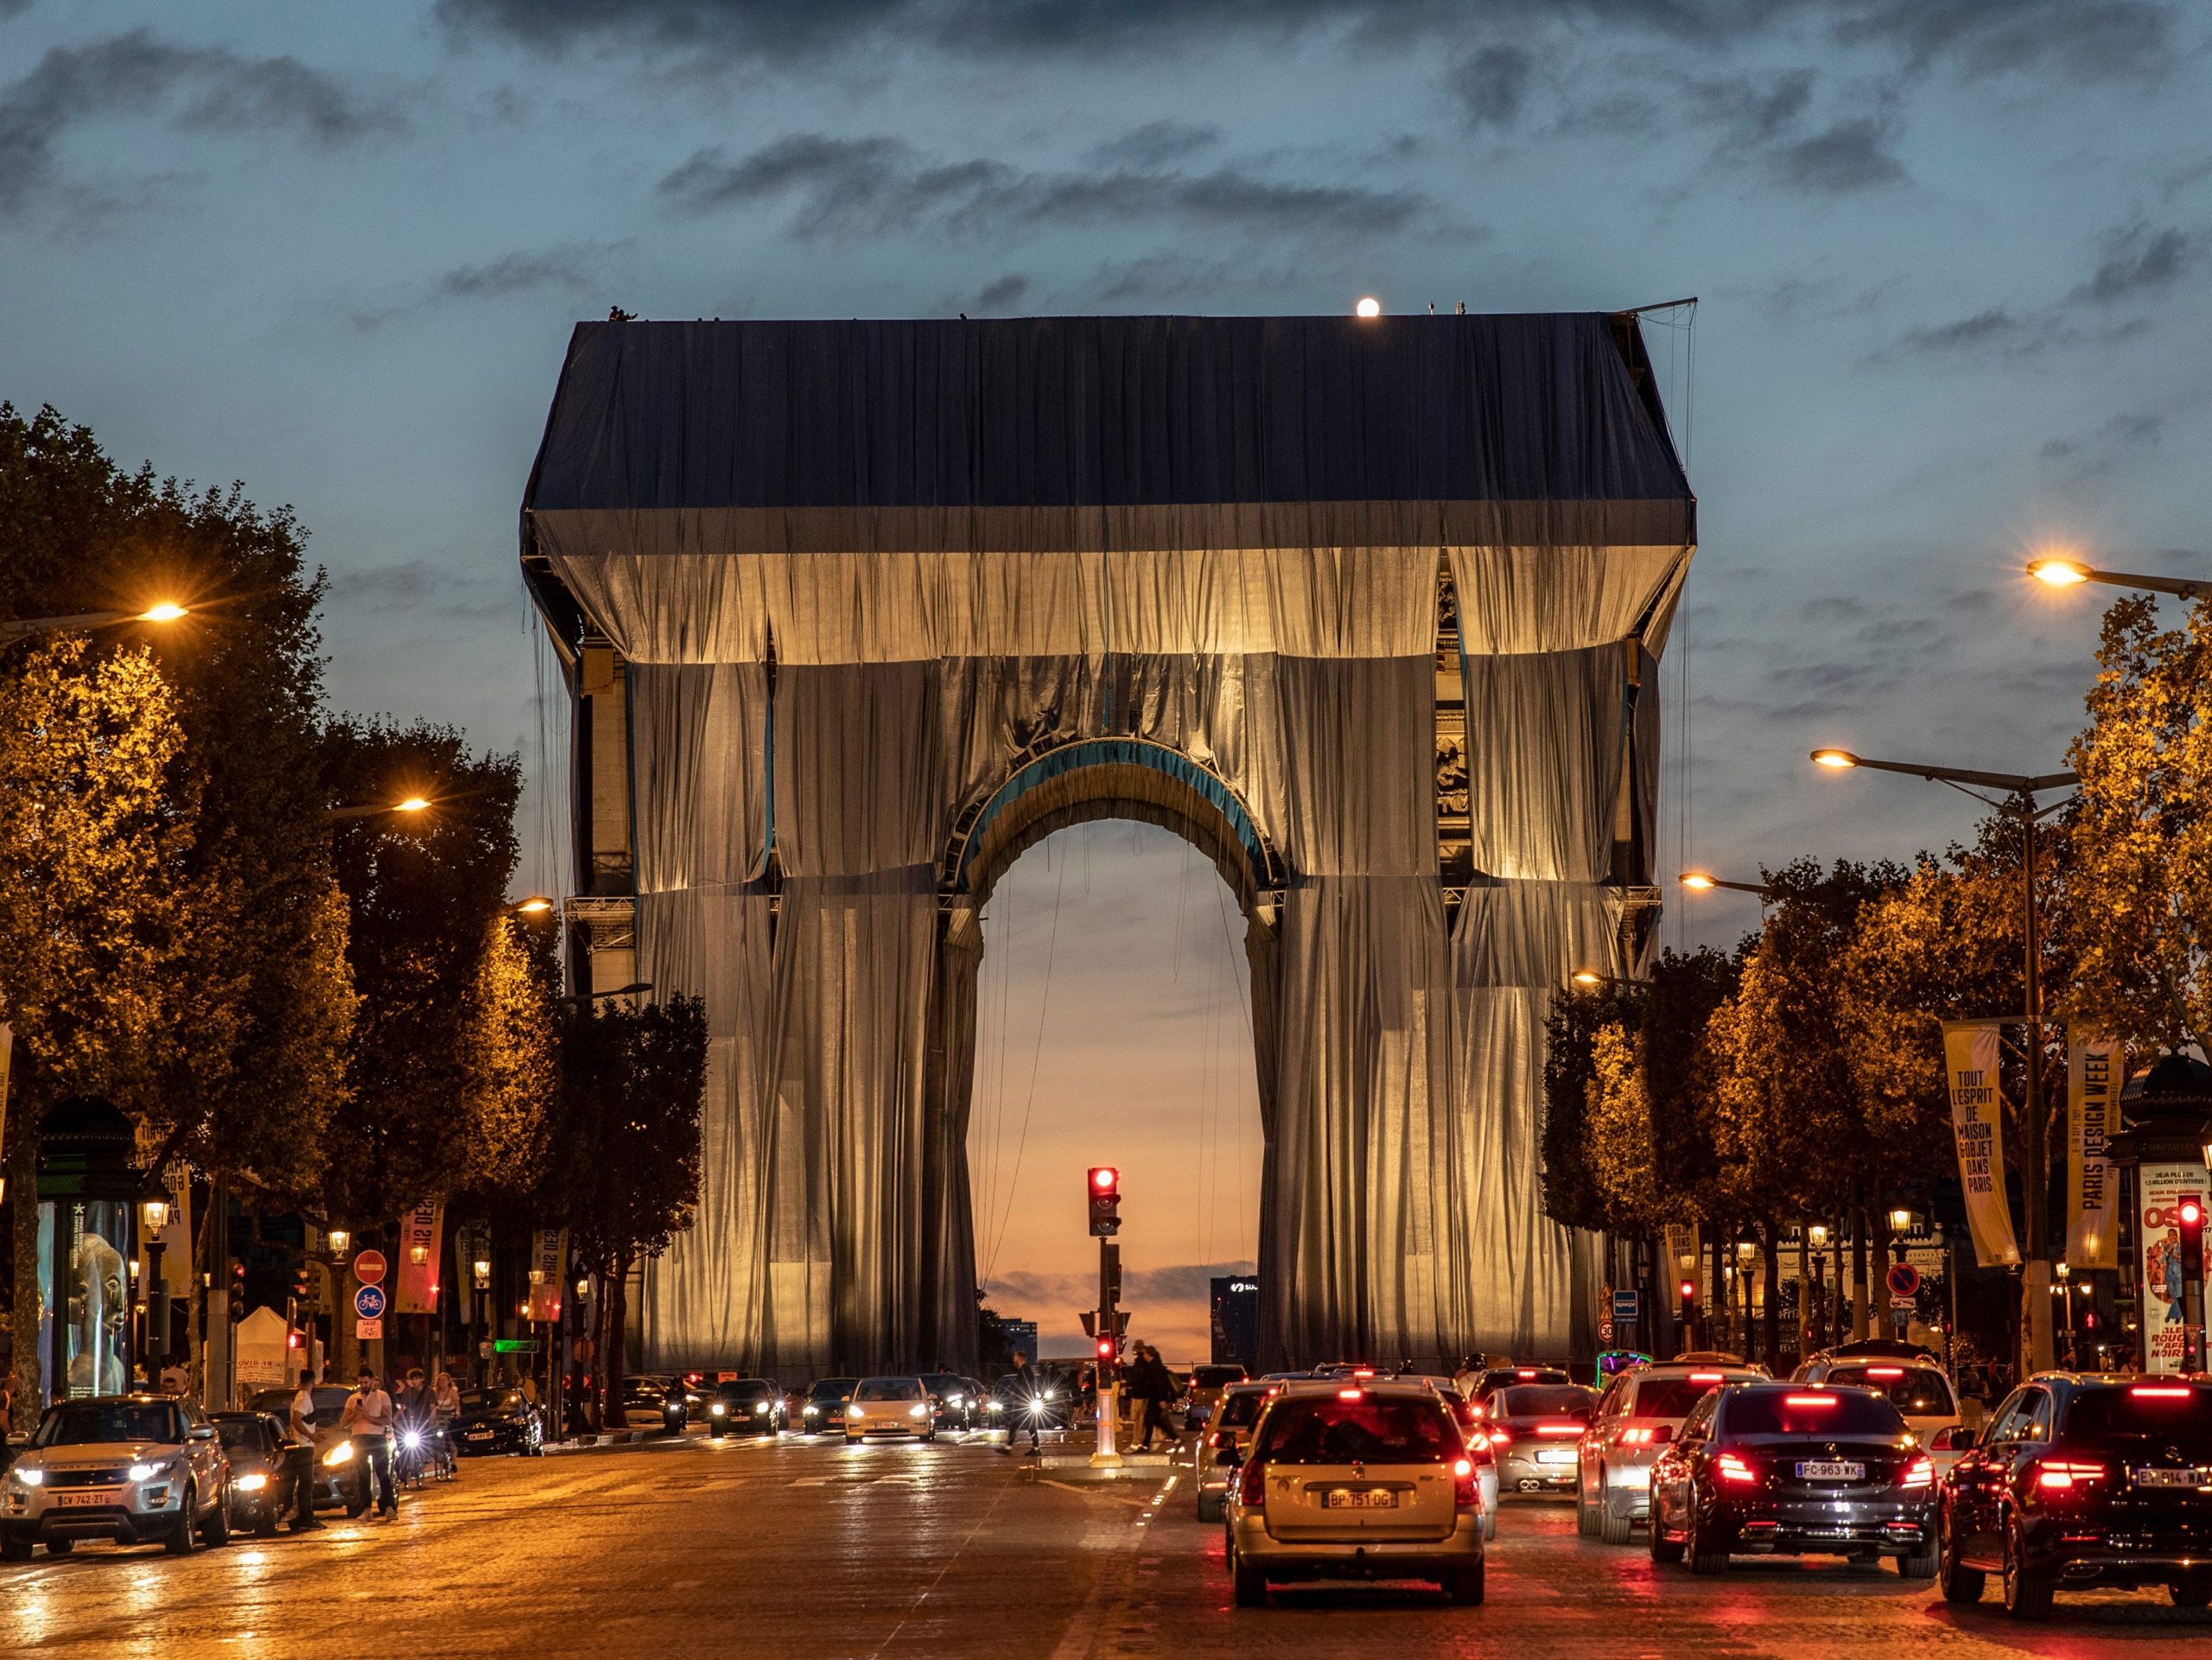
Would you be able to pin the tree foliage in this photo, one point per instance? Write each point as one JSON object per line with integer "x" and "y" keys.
{"x": 1572, "y": 1196}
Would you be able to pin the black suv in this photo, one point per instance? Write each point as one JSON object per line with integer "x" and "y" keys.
{"x": 2084, "y": 1479}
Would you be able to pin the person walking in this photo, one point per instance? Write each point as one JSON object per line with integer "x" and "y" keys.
{"x": 1151, "y": 1387}
{"x": 300, "y": 1424}
{"x": 368, "y": 1419}
{"x": 445, "y": 1407}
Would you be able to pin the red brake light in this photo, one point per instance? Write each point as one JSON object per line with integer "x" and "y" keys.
{"x": 1363, "y": 1371}
{"x": 1251, "y": 1483}
{"x": 2160, "y": 1392}
{"x": 1636, "y": 1438}
{"x": 1884, "y": 1371}
{"x": 1810, "y": 1400}
{"x": 1921, "y": 1472}
{"x": 1499, "y": 1438}
{"x": 1348, "y": 1395}
{"x": 1558, "y": 1429}
{"x": 1705, "y": 1377}
{"x": 1465, "y": 1493}
{"x": 2064, "y": 1472}
{"x": 1526, "y": 1371}
{"x": 1734, "y": 1469}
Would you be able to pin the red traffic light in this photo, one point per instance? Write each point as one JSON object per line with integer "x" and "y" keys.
{"x": 1688, "y": 1289}
{"x": 1106, "y": 1348}
{"x": 1105, "y": 1179}
{"x": 2191, "y": 1213}
{"x": 1103, "y": 1191}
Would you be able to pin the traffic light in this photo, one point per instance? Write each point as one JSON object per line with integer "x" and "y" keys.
{"x": 1110, "y": 1351}
{"x": 2189, "y": 1214}
{"x": 1104, "y": 1190}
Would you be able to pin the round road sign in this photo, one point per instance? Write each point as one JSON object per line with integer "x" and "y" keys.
{"x": 368, "y": 1268}
{"x": 369, "y": 1302}
{"x": 1903, "y": 1279}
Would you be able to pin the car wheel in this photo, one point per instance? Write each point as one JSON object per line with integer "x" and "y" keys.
{"x": 58, "y": 1547}
{"x": 1918, "y": 1564}
{"x": 1697, "y": 1546}
{"x": 2190, "y": 1593}
{"x": 1960, "y": 1582}
{"x": 264, "y": 1525}
{"x": 1586, "y": 1513}
{"x": 182, "y": 1538}
{"x": 14, "y": 1548}
{"x": 1466, "y": 1586}
{"x": 1248, "y": 1585}
{"x": 1663, "y": 1550}
{"x": 2027, "y": 1593}
{"x": 1615, "y": 1527}
{"x": 215, "y": 1532}
{"x": 1489, "y": 1523}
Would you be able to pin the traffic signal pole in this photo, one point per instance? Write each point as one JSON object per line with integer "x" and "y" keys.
{"x": 1102, "y": 1194}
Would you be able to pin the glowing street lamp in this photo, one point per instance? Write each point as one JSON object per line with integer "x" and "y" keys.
{"x": 16, "y": 629}
{"x": 1704, "y": 882}
{"x": 408, "y": 804}
{"x": 536, "y": 905}
{"x": 2058, "y": 570}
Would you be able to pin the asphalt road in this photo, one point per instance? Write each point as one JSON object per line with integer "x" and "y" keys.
{"x": 789, "y": 1551}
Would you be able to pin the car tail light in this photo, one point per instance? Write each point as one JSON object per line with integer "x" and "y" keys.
{"x": 1500, "y": 1438}
{"x": 1705, "y": 1377}
{"x": 1810, "y": 1400}
{"x": 1526, "y": 1371}
{"x": 1252, "y": 1484}
{"x": 1363, "y": 1371}
{"x": 1636, "y": 1438}
{"x": 1884, "y": 1371}
{"x": 1560, "y": 1430}
{"x": 2058, "y": 1474}
{"x": 1921, "y": 1472}
{"x": 1348, "y": 1395}
{"x": 2160, "y": 1392}
{"x": 1732, "y": 1468}
{"x": 1465, "y": 1493}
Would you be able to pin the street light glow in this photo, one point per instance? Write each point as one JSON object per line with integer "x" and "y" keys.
{"x": 1838, "y": 761}
{"x": 1696, "y": 880}
{"x": 536, "y": 905}
{"x": 167, "y": 611}
{"x": 412, "y": 804}
{"x": 1588, "y": 978}
{"x": 2058, "y": 572}
{"x": 1369, "y": 305}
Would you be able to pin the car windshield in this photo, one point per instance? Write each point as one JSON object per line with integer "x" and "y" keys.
{"x": 495, "y": 1400}
{"x": 240, "y": 1434}
{"x": 87, "y": 1423}
{"x": 832, "y": 1389}
{"x": 1214, "y": 1377}
{"x": 889, "y": 1388}
{"x": 746, "y": 1388}
{"x": 1668, "y": 1397}
{"x": 2148, "y": 1409}
{"x": 1372, "y": 1429}
{"x": 1553, "y": 1400}
{"x": 941, "y": 1382}
{"x": 1241, "y": 1409}
{"x": 1916, "y": 1391}
{"x": 1808, "y": 1412}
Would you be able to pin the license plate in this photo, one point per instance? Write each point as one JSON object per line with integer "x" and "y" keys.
{"x": 480, "y": 1434}
{"x": 94, "y": 1499}
{"x": 2168, "y": 1477}
{"x": 1354, "y": 1499}
{"x": 1555, "y": 1455}
{"x": 1831, "y": 1470}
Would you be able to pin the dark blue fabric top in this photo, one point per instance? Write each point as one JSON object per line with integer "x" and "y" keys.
{"x": 1073, "y": 411}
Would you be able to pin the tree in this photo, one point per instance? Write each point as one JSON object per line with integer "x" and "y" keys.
{"x": 1622, "y": 1153}
{"x": 2139, "y": 895}
{"x": 621, "y": 1170}
{"x": 508, "y": 1058}
{"x": 1572, "y": 1197}
{"x": 90, "y": 847}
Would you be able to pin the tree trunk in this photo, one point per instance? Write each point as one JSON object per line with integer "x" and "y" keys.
{"x": 1804, "y": 1290}
{"x": 618, "y": 1291}
{"x": 1770, "y": 1326}
{"x": 22, "y": 1182}
{"x": 1878, "y": 1218}
{"x": 1860, "y": 1306}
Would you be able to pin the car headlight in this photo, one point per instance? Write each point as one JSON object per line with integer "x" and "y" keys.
{"x": 1052, "y": 1395}
{"x": 144, "y": 1472}
{"x": 341, "y": 1454}
{"x": 813, "y": 1412}
{"x": 763, "y": 1407}
{"x": 960, "y": 1400}
{"x": 252, "y": 1484}
{"x": 717, "y": 1409}
{"x": 919, "y": 1411}
{"x": 994, "y": 1406}
{"x": 28, "y": 1477}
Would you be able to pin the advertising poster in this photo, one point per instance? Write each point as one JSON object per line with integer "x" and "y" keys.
{"x": 2095, "y": 1071}
{"x": 415, "y": 1287}
{"x": 2159, "y": 1190}
{"x": 1970, "y": 1057}
{"x": 548, "y": 1264}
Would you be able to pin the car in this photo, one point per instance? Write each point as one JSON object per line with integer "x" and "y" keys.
{"x": 1235, "y": 1411}
{"x": 1794, "y": 1469}
{"x": 958, "y": 1403}
{"x": 823, "y": 1409}
{"x": 133, "y": 1468}
{"x": 1919, "y": 1388}
{"x": 341, "y": 1481}
{"x": 1207, "y": 1385}
{"x": 1469, "y": 1417}
{"x": 1498, "y": 1377}
{"x": 1640, "y": 1412}
{"x": 1535, "y": 1431}
{"x": 502, "y": 1419}
{"x": 749, "y": 1403}
{"x": 267, "y": 1466}
{"x": 645, "y": 1399}
{"x": 890, "y": 1406}
{"x": 2083, "y": 1480}
{"x": 1363, "y": 1479}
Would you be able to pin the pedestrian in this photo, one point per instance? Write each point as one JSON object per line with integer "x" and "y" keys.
{"x": 368, "y": 1419}
{"x": 445, "y": 1407}
{"x": 174, "y": 1379}
{"x": 301, "y": 1453}
{"x": 1466, "y": 1377}
{"x": 1151, "y": 1387}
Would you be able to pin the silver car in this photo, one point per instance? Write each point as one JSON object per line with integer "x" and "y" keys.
{"x": 133, "y": 1468}
{"x": 1643, "y": 1411}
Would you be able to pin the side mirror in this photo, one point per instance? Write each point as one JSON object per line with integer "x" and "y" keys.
{"x": 1953, "y": 1438}
{"x": 200, "y": 1433}
{"x": 19, "y": 1438}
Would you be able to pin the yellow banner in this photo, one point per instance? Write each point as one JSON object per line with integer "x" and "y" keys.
{"x": 2095, "y": 1071}
{"x": 549, "y": 1264}
{"x": 1970, "y": 1057}
{"x": 414, "y": 1275}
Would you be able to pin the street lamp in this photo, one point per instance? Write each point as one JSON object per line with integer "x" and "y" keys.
{"x": 17, "y": 629}
{"x": 339, "y": 1240}
{"x": 1900, "y": 1221}
{"x": 413, "y": 803}
{"x": 536, "y": 905}
{"x": 154, "y": 1211}
{"x": 2020, "y": 791}
{"x": 2059, "y": 571}
{"x": 1702, "y": 881}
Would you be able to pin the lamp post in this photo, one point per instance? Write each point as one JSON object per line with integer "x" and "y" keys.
{"x": 1704, "y": 882}
{"x": 2060, "y": 571}
{"x": 482, "y": 1268}
{"x": 154, "y": 1211}
{"x": 15, "y": 630}
{"x": 413, "y": 803}
{"x": 2020, "y": 791}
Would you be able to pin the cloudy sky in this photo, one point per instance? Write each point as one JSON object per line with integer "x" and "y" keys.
{"x": 1951, "y": 257}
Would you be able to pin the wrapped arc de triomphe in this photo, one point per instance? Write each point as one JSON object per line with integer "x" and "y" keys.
{"x": 1368, "y": 610}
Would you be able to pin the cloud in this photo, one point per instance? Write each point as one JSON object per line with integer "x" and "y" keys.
{"x": 1157, "y": 276}
{"x": 1850, "y": 156}
{"x": 414, "y": 587}
{"x": 1751, "y": 112}
{"x": 2117, "y": 441}
{"x": 134, "y": 74}
{"x": 2141, "y": 261}
{"x": 873, "y": 186}
{"x": 1003, "y": 293}
{"x": 575, "y": 268}
{"x": 2101, "y": 40}
{"x": 1156, "y": 144}
{"x": 1996, "y": 327}
{"x": 1493, "y": 83}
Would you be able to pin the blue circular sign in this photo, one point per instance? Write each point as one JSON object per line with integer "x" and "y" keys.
{"x": 369, "y": 1302}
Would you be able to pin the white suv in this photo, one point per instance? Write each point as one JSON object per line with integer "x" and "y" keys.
{"x": 1641, "y": 1413}
{"x": 133, "y": 1468}
{"x": 1919, "y": 1388}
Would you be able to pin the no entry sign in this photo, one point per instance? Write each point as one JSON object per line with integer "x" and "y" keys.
{"x": 368, "y": 1268}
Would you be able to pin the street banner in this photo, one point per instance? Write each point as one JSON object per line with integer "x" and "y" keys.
{"x": 415, "y": 1280}
{"x": 7, "y": 1052}
{"x": 549, "y": 1266}
{"x": 2095, "y": 1071}
{"x": 1970, "y": 1057}
{"x": 2159, "y": 1189}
